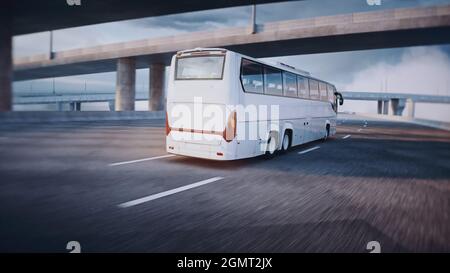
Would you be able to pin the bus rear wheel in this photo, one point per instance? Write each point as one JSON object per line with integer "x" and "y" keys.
{"x": 327, "y": 132}
{"x": 286, "y": 144}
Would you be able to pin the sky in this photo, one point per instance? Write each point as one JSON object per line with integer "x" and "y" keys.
{"x": 412, "y": 70}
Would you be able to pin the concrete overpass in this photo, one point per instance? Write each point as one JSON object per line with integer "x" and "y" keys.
{"x": 35, "y": 16}
{"x": 24, "y": 16}
{"x": 356, "y": 31}
{"x": 365, "y": 30}
{"x": 398, "y": 101}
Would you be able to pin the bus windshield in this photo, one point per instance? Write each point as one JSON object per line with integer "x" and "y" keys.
{"x": 199, "y": 68}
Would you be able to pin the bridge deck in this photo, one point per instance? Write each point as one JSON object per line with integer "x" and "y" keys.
{"x": 364, "y": 30}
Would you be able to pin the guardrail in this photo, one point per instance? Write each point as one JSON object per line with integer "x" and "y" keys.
{"x": 70, "y": 98}
{"x": 52, "y": 116}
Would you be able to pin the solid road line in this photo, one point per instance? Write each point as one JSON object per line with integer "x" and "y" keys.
{"x": 347, "y": 136}
{"x": 308, "y": 150}
{"x": 139, "y": 160}
{"x": 169, "y": 192}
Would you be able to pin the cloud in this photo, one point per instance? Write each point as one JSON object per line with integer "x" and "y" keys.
{"x": 198, "y": 21}
{"x": 421, "y": 70}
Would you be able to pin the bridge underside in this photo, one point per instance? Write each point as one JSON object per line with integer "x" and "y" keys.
{"x": 349, "y": 42}
{"x": 356, "y": 31}
{"x": 36, "y": 16}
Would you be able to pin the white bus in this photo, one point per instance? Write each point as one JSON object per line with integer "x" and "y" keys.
{"x": 296, "y": 108}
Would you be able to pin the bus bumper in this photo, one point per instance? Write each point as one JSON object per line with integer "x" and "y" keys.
{"x": 223, "y": 151}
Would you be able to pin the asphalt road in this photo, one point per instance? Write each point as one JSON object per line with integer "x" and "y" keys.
{"x": 386, "y": 182}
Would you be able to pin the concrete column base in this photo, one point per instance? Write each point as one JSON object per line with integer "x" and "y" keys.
{"x": 156, "y": 87}
{"x": 398, "y": 105}
{"x": 411, "y": 106}
{"x": 125, "y": 84}
{"x": 385, "y": 107}
{"x": 60, "y": 106}
{"x": 111, "y": 106}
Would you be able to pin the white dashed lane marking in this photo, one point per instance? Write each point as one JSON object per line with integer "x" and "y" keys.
{"x": 169, "y": 192}
{"x": 308, "y": 150}
{"x": 139, "y": 160}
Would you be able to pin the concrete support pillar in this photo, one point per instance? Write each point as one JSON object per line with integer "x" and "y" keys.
{"x": 398, "y": 105}
{"x": 411, "y": 105}
{"x": 125, "y": 84}
{"x": 253, "y": 20}
{"x": 380, "y": 107}
{"x": 385, "y": 107}
{"x": 75, "y": 106}
{"x": 60, "y": 106}
{"x": 156, "y": 87}
{"x": 111, "y": 106}
{"x": 5, "y": 55}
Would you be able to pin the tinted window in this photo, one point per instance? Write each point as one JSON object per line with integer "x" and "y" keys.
{"x": 303, "y": 87}
{"x": 290, "y": 84}
{"x": 323, "y": 91}
{"x": 330, "y": 93}
{"x": 273, "y": 84}
{"x": 199, "y": 68}
{"x": 314, "y": 89}
{"x": 252, "y": 76}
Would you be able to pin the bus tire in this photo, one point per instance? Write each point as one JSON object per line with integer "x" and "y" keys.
{"x": 327, "y": 132}
{"x": 286, "y": 144}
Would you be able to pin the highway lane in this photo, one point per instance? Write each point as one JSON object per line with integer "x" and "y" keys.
{"x": 385, "y": 181}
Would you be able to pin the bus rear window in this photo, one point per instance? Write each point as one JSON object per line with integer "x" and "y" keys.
{"x": 199, "y": 68}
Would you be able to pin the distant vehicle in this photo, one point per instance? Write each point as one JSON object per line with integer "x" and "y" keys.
{"x": 302, "y": 108}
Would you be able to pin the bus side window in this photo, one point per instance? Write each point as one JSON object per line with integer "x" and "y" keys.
{"x": 323, "y": 91}
{"x": 330, "y": 93}
{"x": 290, "y": 84}
{"x": 314, "y": 89}
{"x": 273, "y": 84}
{"x": 303, "y": 87}
{"x": 251, "y": 77}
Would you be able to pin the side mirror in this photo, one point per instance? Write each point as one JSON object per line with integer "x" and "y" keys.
{"x": 339, "y": 97}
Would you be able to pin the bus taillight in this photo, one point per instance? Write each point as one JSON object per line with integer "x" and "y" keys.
{"x": 230, "y": 130}
{"x": 167, "y": 125}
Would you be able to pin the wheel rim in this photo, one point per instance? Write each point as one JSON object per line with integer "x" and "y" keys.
{"x": 285, "y": 142}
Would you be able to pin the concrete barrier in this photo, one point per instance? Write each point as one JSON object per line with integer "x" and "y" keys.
{"x": 424, "y": 122}
{"x": 51, "y": 116}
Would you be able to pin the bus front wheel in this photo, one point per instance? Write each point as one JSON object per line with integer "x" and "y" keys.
{"x": 286, "y": 142}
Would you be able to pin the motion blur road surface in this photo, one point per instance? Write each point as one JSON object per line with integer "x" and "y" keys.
{"x": 387, "y": 182}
